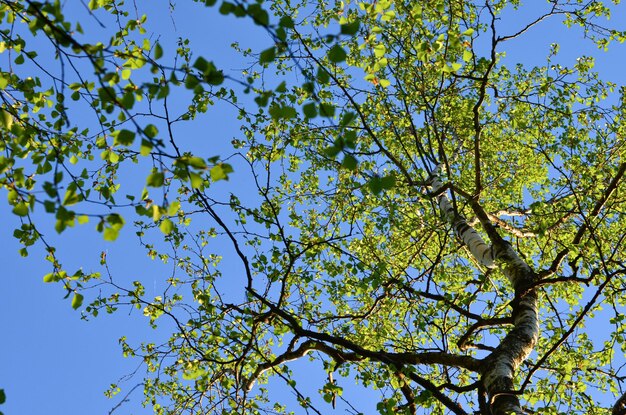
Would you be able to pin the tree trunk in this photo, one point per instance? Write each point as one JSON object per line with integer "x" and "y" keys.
{"x": 500, "y": 366}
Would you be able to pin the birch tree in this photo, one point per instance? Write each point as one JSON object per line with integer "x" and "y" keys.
{"x": 406, "y": 219}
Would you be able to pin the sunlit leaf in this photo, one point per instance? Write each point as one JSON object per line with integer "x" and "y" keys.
{"x": 21, "y": 209}
{"x": 166, "y": 226}
{"x": 221, "y": 171}
{"x": 77, "y": 300}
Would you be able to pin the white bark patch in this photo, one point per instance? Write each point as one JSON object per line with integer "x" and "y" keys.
{"x": 501, "y": 368}
{"x": 501, "y": 365}
{"x": 482, "y": 252}
{"x": 528, "y": 317}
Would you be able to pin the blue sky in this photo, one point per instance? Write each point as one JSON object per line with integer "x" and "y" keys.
{"x": 52, "y": 361}
{"x": 55, "y": 363}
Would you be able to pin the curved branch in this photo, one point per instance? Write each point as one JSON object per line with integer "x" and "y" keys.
{"x": 441, "y": 397}
{"x": 305, "y": 348}
{"x": 391, "y": 358}
{"x": 462, "y": 343}
{"x": 556, "y": 263}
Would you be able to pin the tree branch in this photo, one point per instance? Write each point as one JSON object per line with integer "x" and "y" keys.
{"x": 397, "y": 359}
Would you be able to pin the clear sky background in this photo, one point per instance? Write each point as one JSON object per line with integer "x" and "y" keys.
{"x": 51, "y": 361}
{"x": 54, "y": 363}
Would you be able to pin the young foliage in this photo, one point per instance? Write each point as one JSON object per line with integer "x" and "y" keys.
{"x": 399, "y": 202}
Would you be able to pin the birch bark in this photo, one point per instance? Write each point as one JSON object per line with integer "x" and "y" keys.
{"x": 498, "y": 369}
{"x": 620, "y": 406}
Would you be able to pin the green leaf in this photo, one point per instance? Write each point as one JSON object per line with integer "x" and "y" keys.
{"x": 157, "y": 212}
{"x": 226, "y": 8}
{"x": 467, "y": 55}
{"x": 347, "y": 118}
{"x": 113, "y": 157}
{"x": 282, "y": 87}
{"x": 110, "y": 234}
{"x": 350, "y": 28}
{"x": 51, "y": 277}
{"x": 350, "y": 139}
{"x": 195, "y": 162}
{"x": 150, "y": 131}
{"x": 349, "y": 162}
{"x": 201, "y": 64}
{"x": 456, "y": 66}
{"x": 263, "y": 98}
{"x": 211, "y": 74}
{"x": 388, "y": 182}
{"x": 375, "y": 185}
{"x": 332, "y": 151}
{"x": 6, "y": 118}
{"x": 447, "y": 69}
{"x": 194, "y": 374}
{"x": 71, "y": 197}
{"x": 322, "y": 76}
{"x": 423, "y": 396}
{"x": 268, "y": 55}
{"x": 5, "y": 164}
{"x": 106, "y": 94}
{"x": 128, "y": 100}
{"x": 12, "y": 196}
{"x": 282, "y": 112}
{"x": 155, "y": 179}
{"x": 173, "y": 208}
{"x": 337, "y": 54}
{"x": 221, "y": 171}
{"x": 388, "y": 16}
{"x": 77, "y": 300}
{"x": 136, "y": 62}
{"x": 258, "y": 14}
{"x": 197, "y": 182}
{"x": 115, "y": 220}
{"x": 146, "y": 147}
{"x": 20, "y": 209}
{"x": 286, "y": 22}
{"x": 166, "y": 226}
{"x": 158, "y": 51}
{"x": 191, "y": 81}
{"x": 327, "y": 110}
{"x": 3, "y": 396}
{"x": 379, "y": 50}
{"x": 309, "y": 110}
{"x": 124, "y": 138}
